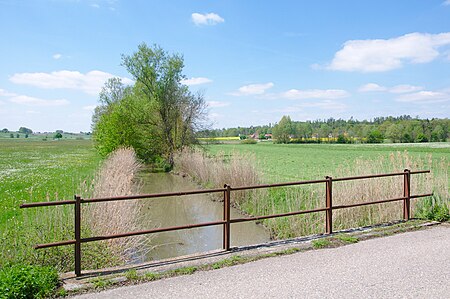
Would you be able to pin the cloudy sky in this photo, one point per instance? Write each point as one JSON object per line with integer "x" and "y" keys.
{"x": 255, "y": 61}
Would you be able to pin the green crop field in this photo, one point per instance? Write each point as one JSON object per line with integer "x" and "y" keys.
{"x": 287, "y": 162}
{"x": 36, "y": 170}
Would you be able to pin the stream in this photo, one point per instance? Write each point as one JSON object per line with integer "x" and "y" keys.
{"x": 182, "y": 210}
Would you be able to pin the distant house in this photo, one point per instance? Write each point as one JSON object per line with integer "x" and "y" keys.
{"x": 268, "y": 136}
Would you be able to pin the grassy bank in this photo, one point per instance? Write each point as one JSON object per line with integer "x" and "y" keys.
{"x": 240, "y": 164}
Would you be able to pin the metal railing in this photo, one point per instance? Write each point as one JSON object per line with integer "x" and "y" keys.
{"x": 226, "y": 222}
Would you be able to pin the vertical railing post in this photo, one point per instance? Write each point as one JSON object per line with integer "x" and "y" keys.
{"x": 329, "y": 205}
{"x": 226, "y": 217}
{"x": 407, "y": 194}
{"x": 77, "y": 235}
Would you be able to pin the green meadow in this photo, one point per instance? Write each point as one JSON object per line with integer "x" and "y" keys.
{"x": 288, "y": 162}
{"x": 36, "y": 170}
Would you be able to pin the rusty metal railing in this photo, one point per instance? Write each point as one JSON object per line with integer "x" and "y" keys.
{"x": 226, "y": 222}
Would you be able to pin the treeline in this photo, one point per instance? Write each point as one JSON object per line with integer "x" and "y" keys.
{"x": 403, "y": 129}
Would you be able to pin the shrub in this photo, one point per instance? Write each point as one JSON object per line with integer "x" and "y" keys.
{"x": 249, "y": 141}
{"x": 433, "y": 208}
{"x": 25, "y": 281}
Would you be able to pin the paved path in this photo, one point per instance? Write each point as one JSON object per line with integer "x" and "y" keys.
{"x": 408, "y": 265}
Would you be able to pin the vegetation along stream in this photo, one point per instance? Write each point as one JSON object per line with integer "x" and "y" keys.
{"x": 174, "y": 211}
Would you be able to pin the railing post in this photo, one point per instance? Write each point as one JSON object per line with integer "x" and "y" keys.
{"x": 226, "y": 217}
{"x": 407, "y": 194}
{"x": 329, "y": 205}
{"x": 77, "y": 235}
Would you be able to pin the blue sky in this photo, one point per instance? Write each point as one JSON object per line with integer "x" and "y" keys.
{"x": 255, "y": 61}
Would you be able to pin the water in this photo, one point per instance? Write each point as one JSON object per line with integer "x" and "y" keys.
{"x": 183, "y": 210}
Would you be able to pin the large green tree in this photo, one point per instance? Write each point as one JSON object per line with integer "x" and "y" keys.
{"x": 174, "y": 111}
{"x": 283, "y": 130}
{"x": 157, "y": 116}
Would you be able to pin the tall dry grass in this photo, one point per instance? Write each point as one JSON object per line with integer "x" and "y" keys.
{"x": 348, "y": 192}
{"x": 215, "y": 171}
{"x": 116, "y": 178}
{"x": 241, "y": 170}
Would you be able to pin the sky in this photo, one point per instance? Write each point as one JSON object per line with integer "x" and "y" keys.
{"x": 254, "y": 61}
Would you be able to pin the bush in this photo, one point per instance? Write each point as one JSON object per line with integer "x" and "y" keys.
{"x": 25, "y": 281}
{"x": 433, "y": 208}
{"x": 249, "y": 141}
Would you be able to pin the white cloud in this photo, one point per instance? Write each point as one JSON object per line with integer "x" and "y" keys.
{"x": 196, "y": 81}
{"x": 252, "y": 89}
{"x": 4, "y": 93}
{"x": 95, "y": 5}
{"x": 31, "y": 101}
{"x": 90, "y": 83}
{"x": 296, "y": 94}
{"x": 379, "y": 55}
{"x": 404, "y": 88}
{"x": 425, "y": 97}
{"x": 206, "y": 19}
{"x": 371, "y": 87}
{"x": 446, "y": 2}
{"x": 57, "y": 56}
{"x": 217, "y": 104}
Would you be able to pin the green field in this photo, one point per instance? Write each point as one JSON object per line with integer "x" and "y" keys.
{"x": 34, "y": 170}
{"x": 43, "y": 136}
{"x": 289, "y": 162}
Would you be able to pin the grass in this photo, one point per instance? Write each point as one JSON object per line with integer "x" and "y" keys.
{"x": 321, "y": 243}
{"x": 31, "y": 171}
{"x": 26, "y": 281}
{"x": 291, "y": 162}
{"x": 347, "y": 238}
{"x": 269, "y": 163}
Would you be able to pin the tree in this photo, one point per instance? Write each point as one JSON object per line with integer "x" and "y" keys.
{"x": 375, "y": 136}
{"x": 157, "y": 116}
{"x": 24, "y": 130}
{"x": 283, "y": 130}
{"x": 58, "y": 136}
{"x": 394, "y": 132}
{"x": 5, "y": 130}
{"x": 438, "y": 134}
{"x": 179, "y": 113}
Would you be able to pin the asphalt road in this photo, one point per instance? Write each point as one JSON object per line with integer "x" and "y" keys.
{"x": 408, "y": 265}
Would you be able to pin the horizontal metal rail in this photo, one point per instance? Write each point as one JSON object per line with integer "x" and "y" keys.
{"x": 136, "y": 233}
{"x": 278, "y": 185}
{"x": 237, "y": 220}
{"x": 361, "y": 177}
{"x": 378, "y": 201}
{"x": 226, "y": 217}
{"x": 47, "y": 204}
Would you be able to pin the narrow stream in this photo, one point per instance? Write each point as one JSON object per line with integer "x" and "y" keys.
{"x": 182, "y": 210}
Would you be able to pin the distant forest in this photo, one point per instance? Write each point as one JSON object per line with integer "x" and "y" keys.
{"x": 401, "y": 129}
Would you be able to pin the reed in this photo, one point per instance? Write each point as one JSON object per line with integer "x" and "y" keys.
{"x": 242, "y": 169}
{"x": 116, "y": 178}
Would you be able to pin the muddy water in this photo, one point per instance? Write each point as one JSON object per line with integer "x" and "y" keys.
{"x": 174, "y": 211}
